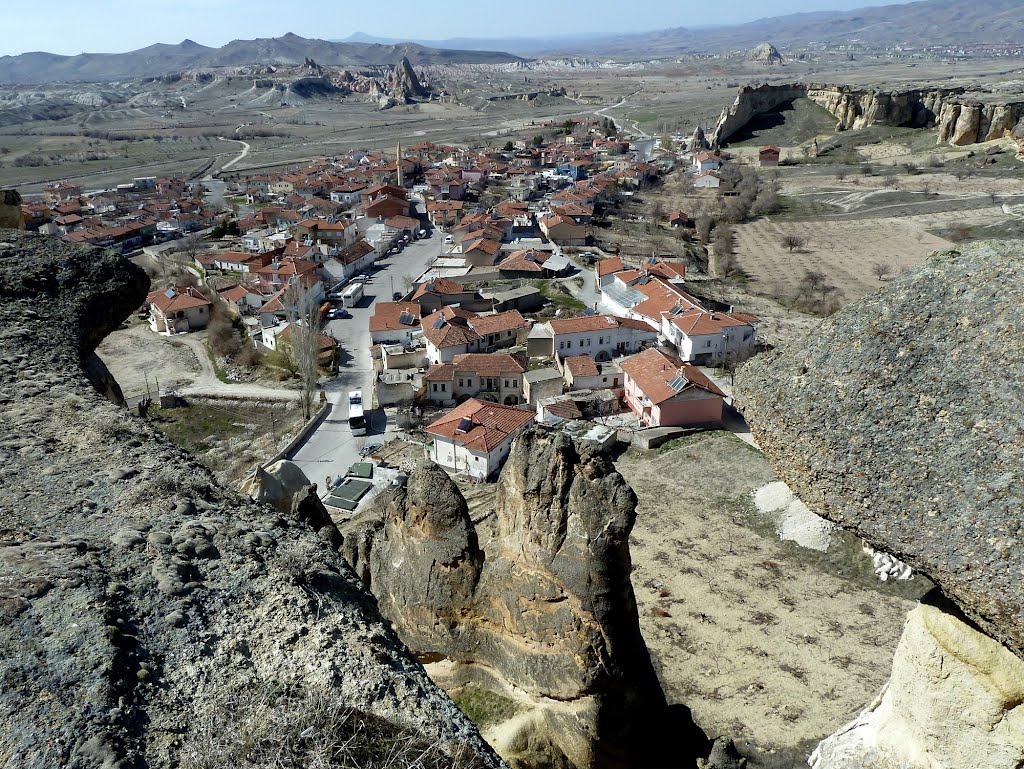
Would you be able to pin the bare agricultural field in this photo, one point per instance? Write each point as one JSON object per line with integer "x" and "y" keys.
{"x": 845, "y": 251}
{"x": 766, "y": 642}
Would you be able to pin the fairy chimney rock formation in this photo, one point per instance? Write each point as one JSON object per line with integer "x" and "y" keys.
{"x": 545, "y": 609}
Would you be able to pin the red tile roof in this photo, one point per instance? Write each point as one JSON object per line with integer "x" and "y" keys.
{"x": 387, "y": 316}
{"x": 487, "y": 425}
{"x": 700, "y": 323}
{"x": 653, "y": 370}
{"x": 438, "y": 286}
{"x": 581, "y": 365}
{"x": 608, "y": 266}
{"x": 509, "y": 320}
{"x": 170, "y": 300}
{"x": 594, "y": 323}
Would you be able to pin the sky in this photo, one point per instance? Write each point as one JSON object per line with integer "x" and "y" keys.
{"x": 112, "y": 26}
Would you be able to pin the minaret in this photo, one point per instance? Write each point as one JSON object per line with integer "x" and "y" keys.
{"x": 398, "y": 163}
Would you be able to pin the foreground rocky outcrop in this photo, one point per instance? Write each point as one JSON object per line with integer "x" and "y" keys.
{"x": 955, "y": 699}
{"x": 151, "y": 618}
{"x": 543, "y": 614}
{"x": 900, "y": 418}
{"x": 958, "y": 120}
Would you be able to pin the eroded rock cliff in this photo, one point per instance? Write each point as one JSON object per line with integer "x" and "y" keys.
{"x": 544, "y": 613}
{"x": 959, "y": 120}
{"x": 151, "y": 618}
{"x": 900, "y": 419}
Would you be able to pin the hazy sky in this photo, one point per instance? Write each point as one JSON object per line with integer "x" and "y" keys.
{"x": 108, "y": 26}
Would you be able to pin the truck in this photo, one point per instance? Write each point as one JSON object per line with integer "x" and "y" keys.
{"x": 356, "y": 419}
{"x": 352, "y": 295}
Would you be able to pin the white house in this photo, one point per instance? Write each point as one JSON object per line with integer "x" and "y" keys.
{"x": 704, "y": 162}
{"x": 474, "y": 439}
{"x": 494, "y": 378}
{"x": 710, "y": 338}
{"x": 599, "y": 336}
{"x": 177, "y": 312}
{"x": 707, "y": 181}
{"x": 395, "y": 322}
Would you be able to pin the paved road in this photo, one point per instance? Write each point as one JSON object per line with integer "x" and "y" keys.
{"x": 331, "y": 448}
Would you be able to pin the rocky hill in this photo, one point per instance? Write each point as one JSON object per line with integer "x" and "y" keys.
{"x": 288, "y": 50}
{"x": 536, "y": 605}
{"x": 151, "y": 618}
{"x": 900, "y": 418}
{"x": 959, "y": 120}
{"x": 765, "y": 54}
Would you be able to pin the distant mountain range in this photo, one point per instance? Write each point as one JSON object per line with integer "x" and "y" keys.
{"x": 924, "y": 23}
{"x": 161, "y": 59}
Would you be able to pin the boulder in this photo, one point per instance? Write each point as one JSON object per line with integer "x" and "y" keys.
{"x": 954, "y": 699}
{"x": 900, "y": 418}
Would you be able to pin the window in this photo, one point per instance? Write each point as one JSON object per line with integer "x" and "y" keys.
{"x": 589, "y": 341}
{"x": 568, "y": 344}
{"x": 435, "y": 386}
{"x": 561, "y": 345}
{"x": 460, "y": 383}
{"x": 604, "y": 380}
{"x": 600, "y": 340}
{"x": 707, "y": 343}
{"x": 444, "y": 387}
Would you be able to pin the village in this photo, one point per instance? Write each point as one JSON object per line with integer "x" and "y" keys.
{"x": 455, "y": 296}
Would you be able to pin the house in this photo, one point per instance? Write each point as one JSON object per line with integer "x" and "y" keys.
{"x": 768, "y": 156}
{"x": 606, "y": 269}
{"x": 708, "y": 338}
{"x": 329, "y": 233}
{"x": 441, "y": 292}
{"x": 448, "y": 334}
{"x": 564, "y": 230}
{"x": 475, "y": 438}
{"x": 709, "y": 180}
{"x": 395, "y": 322}
{"x": 445, "y": 213}
{"x": 582, "y": 372}
{"x": 236, "y": 261}
{"x": 279, "y": 274}
{"x": 178, "y": 312}
{"x": 500, "y": 329}
{"x": 493, "y": 378}
{"x": 600, "y": 336}
{"x": 542, "y": 383}
{"x": 705, "y": 162}
{"x": 679, "y": 219}
{"x": 664, "y": 392}
{"x": 291, "y": 332}
{"x": 240, "y": 298}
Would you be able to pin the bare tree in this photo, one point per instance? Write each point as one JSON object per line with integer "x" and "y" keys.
{"x": 192, "y": 245}
{"x": 304, "y": 344}
{"x": 882, "y": 270}
{"x": 793, "y": 242}
{"x": 703, "y": 224}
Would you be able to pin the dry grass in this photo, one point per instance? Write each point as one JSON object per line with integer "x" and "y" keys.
{"x": 310, "y": 729}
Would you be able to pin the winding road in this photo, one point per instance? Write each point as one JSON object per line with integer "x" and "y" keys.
{"x": 603, "y": 112}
